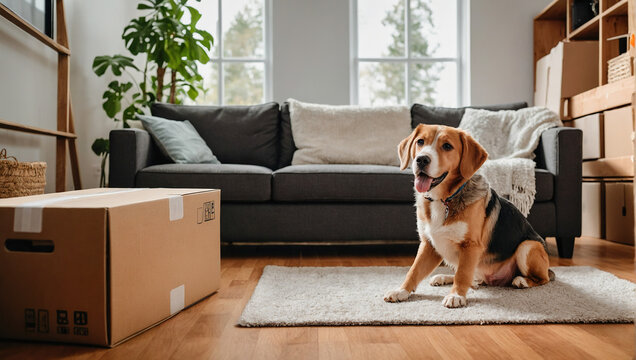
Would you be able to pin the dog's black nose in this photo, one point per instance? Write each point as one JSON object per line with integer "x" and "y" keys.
{"x": 423, "y": 160}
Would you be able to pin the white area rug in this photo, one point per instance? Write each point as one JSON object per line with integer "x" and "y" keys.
{"x": 295, "y": 296}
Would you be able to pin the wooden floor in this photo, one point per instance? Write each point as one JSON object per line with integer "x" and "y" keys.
{"x": 207, "y": 330}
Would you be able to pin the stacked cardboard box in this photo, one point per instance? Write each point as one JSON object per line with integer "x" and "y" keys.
{"x": 608, "y": 169}
{"x": 569, "y": 69}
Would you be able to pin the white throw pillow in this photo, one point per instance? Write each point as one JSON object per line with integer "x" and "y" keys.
{"x": 327, "y": 134}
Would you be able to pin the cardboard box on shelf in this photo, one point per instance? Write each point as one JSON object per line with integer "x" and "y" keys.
{"x": 619, "y": 212}
{"x": 99, "y": 266}
{"x": 592, "y": 210}
{"x": 609, "y": 167}
{"x": 618, "y": 131}
{"x": 592, "y": 127}
{"x": 569, "y": 69}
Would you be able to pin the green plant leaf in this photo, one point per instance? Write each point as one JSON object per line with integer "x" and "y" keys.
{"x": 100, "y": 146}
{"x": 117, "y": 64}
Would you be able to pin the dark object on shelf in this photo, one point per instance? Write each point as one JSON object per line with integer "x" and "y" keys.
{"x": 583, "y": 11}
{"x": 622, "y": 42}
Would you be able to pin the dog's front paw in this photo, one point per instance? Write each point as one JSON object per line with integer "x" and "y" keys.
{"x": 441, "y": 279}
{"x": 454, "y": 301}
{"x": 520, "y": 282}
{"x": 396, "y": 295}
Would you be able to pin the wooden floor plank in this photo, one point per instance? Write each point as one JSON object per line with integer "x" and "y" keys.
{"x": 208, "y": 329}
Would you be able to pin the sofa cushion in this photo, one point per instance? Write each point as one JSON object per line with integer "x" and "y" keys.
{"x": 178, "y": 140}
{"x": 348, "y": 134}
{"x": 236, "y": 134}
{"x": 341, "y": 183}
{"x": 362, "y": 183}
{"x": 287, "y": 144}
{"x": 237, "y": 182}
{"x": 432, "y": 115}
{"x": 544, "y": 181}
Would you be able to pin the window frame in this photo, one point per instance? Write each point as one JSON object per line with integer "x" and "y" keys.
{"x": 218, "y": 59}
{"x": 408, "y": 60}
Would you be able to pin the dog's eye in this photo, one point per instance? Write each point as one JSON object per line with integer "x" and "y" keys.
{"x": 420, "y": 142}
{"x": 447, "y": 147}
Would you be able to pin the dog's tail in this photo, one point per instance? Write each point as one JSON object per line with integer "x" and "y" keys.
{"x": 551, "y": 275}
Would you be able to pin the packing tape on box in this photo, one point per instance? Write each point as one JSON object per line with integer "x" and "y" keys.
{"x": 27, "y": 217}
{"x": 176, "y": 207}
{"x": 177, "y": 299}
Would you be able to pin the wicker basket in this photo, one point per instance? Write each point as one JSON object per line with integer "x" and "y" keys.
{"x": 619, "y": 68}
{"x": 20, "y": 178}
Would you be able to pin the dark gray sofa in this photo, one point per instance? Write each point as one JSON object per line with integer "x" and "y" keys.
{"x": 266, "y": 199}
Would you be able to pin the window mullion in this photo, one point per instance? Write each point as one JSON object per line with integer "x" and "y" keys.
{"x": 354, "y": 69}
{"x": 219, "y": 31}
{"x": 407, "y": 47}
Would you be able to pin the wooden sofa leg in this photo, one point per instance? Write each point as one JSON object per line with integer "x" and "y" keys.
{"x": 565, "y": 245}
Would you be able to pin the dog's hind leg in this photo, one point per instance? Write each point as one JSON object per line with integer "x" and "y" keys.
{"x": 533, "y": 264}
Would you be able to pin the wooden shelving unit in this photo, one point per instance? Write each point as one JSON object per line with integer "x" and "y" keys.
{"x": 614, "y": 18}
{"x": 553, "y": 25}
{"x": 65, "y": 133}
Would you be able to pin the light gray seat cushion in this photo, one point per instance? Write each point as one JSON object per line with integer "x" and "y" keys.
{"x": 237, "y": 182}
{"x": 342, "y": 183}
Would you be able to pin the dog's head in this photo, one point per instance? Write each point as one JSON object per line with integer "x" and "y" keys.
{"x": 440, "y": 154}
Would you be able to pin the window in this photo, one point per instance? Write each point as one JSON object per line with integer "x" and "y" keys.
{"x": 38, "y": 13}
{"x": 239, "y": 70}
{"x": 406, "y": 51}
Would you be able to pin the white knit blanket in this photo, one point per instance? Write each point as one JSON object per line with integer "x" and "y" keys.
{"x": 510, "y": 138}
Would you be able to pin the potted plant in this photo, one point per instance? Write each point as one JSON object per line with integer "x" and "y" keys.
{"x": 170, "y": 51}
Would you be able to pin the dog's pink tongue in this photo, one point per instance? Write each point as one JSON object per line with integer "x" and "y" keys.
{"x": 423, "y": 183}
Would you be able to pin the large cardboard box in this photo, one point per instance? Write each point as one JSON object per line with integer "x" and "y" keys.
{"x": 592, "y": 210}
{"x": 619, "y": 212}
{"x": 609, "y": 167}
{"x": 592, "y": 127}
{"x": 99, "y": 266}
{"x": 569, "y": 69}
{"x": 618, "y": 132}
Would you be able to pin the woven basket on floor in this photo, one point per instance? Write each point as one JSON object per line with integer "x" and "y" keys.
{"x": 20, "y": 178}
{"x": 619, "y": 68}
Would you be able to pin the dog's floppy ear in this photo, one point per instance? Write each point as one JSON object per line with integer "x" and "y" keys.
{"x": 404, "y": 149}
{"x": 473, "y": 156}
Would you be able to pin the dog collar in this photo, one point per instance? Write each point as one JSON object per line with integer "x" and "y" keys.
{"x": 448, "y": 199}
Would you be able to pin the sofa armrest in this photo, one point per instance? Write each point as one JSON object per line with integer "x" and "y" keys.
{"x": 130, "y": 151}
{"x": 560, "y": 152}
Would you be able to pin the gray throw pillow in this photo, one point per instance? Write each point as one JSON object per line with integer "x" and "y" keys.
{"x": 178, "y": 140}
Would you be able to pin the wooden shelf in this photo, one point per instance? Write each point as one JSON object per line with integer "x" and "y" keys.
{"x": 35, "y": 130}
{"x": 31, "y": 30}
{"x": 620, "y": 8}
{"x": 601, "y": 98}
{"x": 587, "y": 31}
{"x": 556, "y": 10}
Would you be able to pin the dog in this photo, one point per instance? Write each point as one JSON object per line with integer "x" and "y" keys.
{"x": 463, "y": 222}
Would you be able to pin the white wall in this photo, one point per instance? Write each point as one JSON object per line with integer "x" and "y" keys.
{"x": 95, "y": 28}
{"x": 311, "y": 50}
{"x": 501, "y": 53}
{"x": 310, "y": 63}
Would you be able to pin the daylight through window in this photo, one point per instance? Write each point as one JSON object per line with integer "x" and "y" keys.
{"x": 406, "y": 51}
{"x": 238, "y": 71}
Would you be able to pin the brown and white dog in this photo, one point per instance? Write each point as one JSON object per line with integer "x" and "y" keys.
{"x": 463, "y": 222}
